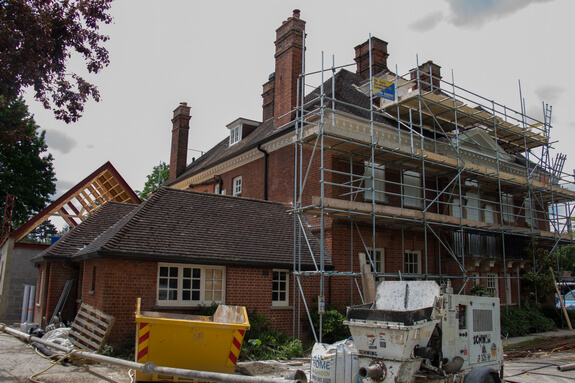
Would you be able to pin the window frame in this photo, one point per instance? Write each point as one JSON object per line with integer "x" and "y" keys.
{"x": 492, "y": 284}
{"x": 407, "y": 264}
{"x": 412, "y": 196}
{"x": 237, "y": 186}
{"x": 489, "y": 213}
{"x": 203, "y": 285}
{"x": 278, "y": 302}
{"x": 507, "y": 208}
{"x": 379, "y": 263}
{"x": 235, "y": 134}
{"x": 472, "y": 206}
{"x": 375, "y": 172}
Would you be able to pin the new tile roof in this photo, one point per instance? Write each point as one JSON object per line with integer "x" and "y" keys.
{"x": 83, "y": 234}
{"x": 185, "y": 226}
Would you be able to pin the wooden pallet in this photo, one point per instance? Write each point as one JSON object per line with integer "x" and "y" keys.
{"x": 91, "y": 328}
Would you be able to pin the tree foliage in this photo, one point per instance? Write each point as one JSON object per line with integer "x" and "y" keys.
{"x": 539, "y": 281}
{"x": 158, "y": 176}
{"x": 38, "y": 38}
{"x": 43, "y": 233}
{"x": 26, "y": 169}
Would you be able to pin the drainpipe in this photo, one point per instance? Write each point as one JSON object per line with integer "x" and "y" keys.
{"x": 220, "y": 182}
{"x": 150, "y": 368}
{"x": 266, "y": 157}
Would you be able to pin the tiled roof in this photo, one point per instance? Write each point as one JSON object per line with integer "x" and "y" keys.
{"x": 186, "y": 226}
{"x": 345, "y": 91}
{"x": 83, "y": 234}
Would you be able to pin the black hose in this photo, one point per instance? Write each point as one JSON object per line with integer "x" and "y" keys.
{"x": 44, "y": 350}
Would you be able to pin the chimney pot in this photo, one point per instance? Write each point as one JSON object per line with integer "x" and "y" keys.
{"x": 296, "y": 13}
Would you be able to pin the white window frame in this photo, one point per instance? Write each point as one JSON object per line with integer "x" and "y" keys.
{"x": 507, "y": 208}
{"x": 205, "y": 290}
{"x": 235, "y": 134}
{"x": 472, "y": 206}
{"x": 489, "y": 213}
{"x": 377, "y": 182}
{"x": 378, "y": 256}
{"x": 280, "y": 287}
{"x": 528, "y": 209}
{"x": 237, "y": 186}
{"x": 408, "y": 263}
{"x": 474, "y": 279}
{"x": 492, "y": 284}
{"x": 455, "y": 208}
{"x": 412, "y": 189}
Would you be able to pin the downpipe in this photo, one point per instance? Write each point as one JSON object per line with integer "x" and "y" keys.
{"x": 151, "y": 368}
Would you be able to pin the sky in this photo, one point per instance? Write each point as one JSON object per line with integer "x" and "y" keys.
{"x": 216, "y": 55}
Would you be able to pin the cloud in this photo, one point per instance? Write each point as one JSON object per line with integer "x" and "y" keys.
{"x": 62, "y": 187}
{"x": 59, "y": 141}
{"x": 550, "y": 94}
{"x": 427, "y": 23}
{"x": 475, "y": 13}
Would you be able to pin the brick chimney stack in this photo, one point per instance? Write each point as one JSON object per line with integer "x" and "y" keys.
{"x": 379, "y": 57}
{"x": 289, "y": 54}
{"x": 180, "y": 132}
{"x": 429, "y": 77}
{"x": 268, "y": 97}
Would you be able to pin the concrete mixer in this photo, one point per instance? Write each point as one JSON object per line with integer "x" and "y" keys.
{"x": 416, "y": 331}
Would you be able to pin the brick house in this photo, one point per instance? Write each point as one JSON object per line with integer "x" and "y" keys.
{"x": 430, "y": 182}
{"x": 425, "y": 184}
{"x": 87, "y": 196}
{"x": 177, "y": 251}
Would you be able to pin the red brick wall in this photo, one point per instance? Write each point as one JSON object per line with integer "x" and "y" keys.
{"x": 56, "y": 273}
{"x": 120, "y": 282}
{"x": 118, "y": 285}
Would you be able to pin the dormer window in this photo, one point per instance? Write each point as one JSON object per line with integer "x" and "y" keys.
{"x": 240, "y": 129}
{"x": 235, "y": 134}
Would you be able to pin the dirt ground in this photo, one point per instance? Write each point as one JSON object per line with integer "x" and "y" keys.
{"x": 546, "y": 345}
{"x": 531, "y": 362}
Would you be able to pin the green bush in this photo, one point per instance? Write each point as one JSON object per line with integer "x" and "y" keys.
{"x": 523, "y": 320}
{"x": 333, "y": 328}
{"x": 557, "y": 316}
{"x": 261, "y": 342}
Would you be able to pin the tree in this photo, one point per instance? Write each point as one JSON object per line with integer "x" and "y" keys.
{"x": 43, "y": 233}
{"x": 38, "y": 40}
{"x": 158, "y": 176}
{"x": 26, "y": 169}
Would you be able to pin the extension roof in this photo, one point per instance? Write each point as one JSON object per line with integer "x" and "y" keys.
{"x": 190, "y": 227}
{"x": 101, "y": 186}
{"x": 83, "y": 234}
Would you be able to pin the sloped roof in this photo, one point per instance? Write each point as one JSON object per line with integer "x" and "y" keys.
{"x": 83, "y": 234}
{"x": 102, "y": 185}
{"x": 185, "y": 226}
{"x": 346, "y": 91}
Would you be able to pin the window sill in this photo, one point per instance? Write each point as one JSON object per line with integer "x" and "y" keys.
{"x": 281, "y": 308}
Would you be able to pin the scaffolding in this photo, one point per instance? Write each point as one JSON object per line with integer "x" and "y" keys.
{"x": 473, "y": 178}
